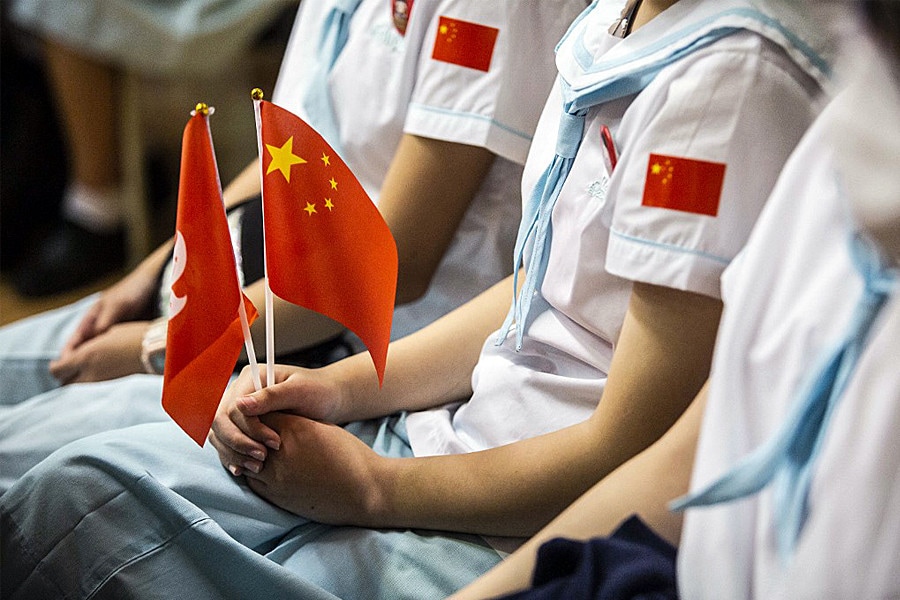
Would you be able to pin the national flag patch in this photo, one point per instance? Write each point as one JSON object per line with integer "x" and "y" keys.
{"x": 684, "y": 184}
{"x": 464, "y": 43}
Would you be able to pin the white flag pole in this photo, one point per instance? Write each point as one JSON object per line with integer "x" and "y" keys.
{"x": 242, "y": 310}
{"x": 248, "y": 344}
{"x": 257, "y": 95}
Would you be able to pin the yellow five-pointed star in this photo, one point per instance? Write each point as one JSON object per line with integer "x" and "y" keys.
{"x": 326, "y": 159}
{"x": 333, "y": 183}
{"x": 656, "y": 169}
{"x": 310, "y": 208}
{"x": 283, "y": 158}
{"x": 329, "y": 204}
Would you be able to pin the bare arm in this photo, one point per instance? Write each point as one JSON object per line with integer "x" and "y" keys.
{"x": 643, "y": 486}
{"x": 244, "y": 186}
{"x": 425, "y": 194}
{"x": 428, "y": 368}
{"x": 661, "y": 362}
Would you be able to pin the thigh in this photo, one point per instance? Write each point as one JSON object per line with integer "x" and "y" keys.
{"x": 27, "y": 347}
{"x": 33, "y": 429}
{"x": 145, "y": 511}
{"x": 369, "y": 564}
{"x": 353, "y": 562}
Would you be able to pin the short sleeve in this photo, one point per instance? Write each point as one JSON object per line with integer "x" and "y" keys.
{"x": 723, "y": 120}
{"x": 491, "y": 94}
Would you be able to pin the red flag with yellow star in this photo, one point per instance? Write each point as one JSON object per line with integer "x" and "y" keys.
{"x": 204, "y": 332}
{"x": 684, "y": 184}
{"x": 464, "y": 43}
{"x": 327, "y": 247}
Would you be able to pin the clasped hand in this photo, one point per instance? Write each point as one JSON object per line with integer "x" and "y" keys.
{"x": 107, "y": 342}
{"x": 283, "y": 440}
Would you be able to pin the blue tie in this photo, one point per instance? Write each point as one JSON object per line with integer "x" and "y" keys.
{"x": 788, "y": 458}
{"x": 317, "y": 101}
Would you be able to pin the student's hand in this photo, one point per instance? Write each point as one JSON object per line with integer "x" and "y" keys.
{"x": 238, "y": 433}
{"x": 321, "y": 472}
{"x": 127, "y": 300}
{"x": 116, "y": 352}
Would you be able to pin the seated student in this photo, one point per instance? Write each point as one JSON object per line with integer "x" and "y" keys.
{"x": 438, "y": 145}
{"x": 497, "y": 451}
{"x": 790, "y": 299}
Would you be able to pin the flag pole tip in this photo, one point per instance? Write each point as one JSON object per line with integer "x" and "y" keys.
{"x": 256, "y": 94}
{"x": 202, "y": 108}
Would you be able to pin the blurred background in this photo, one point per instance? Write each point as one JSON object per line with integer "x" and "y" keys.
{"x": 151, "y": 109}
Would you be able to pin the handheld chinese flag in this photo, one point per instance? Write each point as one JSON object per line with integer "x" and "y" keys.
{"x": 684, "y": 184}
{"x": 327, "y": 247}
{"x": 205, "y": 332}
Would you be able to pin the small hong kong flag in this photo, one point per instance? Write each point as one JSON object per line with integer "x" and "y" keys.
{"x": 204, "y": 333}
{"x": 684, "y": 184}
{"x": 464, "y": 43}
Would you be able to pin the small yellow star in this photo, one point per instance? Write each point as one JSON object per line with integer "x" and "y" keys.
{"x": 656, "y": 169}
{"x": 333, "y": 183}
{"x": 326, "y": 159}
{"x": 310, "y": 208}
{"x": 329, "y": 204}
{"x": 283, "y": 158}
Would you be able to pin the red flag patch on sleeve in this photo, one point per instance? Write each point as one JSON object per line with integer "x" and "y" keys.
{"x": 464, "y": 43}
{"x": 684, "y": 184}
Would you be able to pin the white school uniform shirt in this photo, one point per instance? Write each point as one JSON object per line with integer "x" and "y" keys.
{"x": 788, "y": 300}
{"x": 385, "y": 84}
{"x": 740, "y": 101}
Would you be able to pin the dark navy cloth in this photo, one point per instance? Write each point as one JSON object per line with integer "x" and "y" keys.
{"x": 633, "y": 563}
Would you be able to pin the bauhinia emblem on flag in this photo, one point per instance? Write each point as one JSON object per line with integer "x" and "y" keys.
{"x": 464, "y": 43}
{"x": 684, "y": 184}
{"x": 327, "y": 247}
{"x": 204, "y": 333}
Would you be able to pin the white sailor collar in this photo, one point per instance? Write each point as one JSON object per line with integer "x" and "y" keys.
{"x": 587, "y": 72}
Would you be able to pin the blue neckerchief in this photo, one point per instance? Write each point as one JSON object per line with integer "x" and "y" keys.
{"x": 332, "y": 39}
{"x": 626, "y": 69}
{"x": 787, "y": 459}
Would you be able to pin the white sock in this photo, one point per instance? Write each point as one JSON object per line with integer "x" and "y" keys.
{"x": 96, "y": 209}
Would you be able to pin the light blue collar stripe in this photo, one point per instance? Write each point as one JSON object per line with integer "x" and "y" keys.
{"x": 586, "y": 60}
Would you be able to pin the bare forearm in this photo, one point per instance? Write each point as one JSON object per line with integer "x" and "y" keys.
{"x": 661, "y": 363}
{"x": 511, "y": 490}
{"x": 295, "y": 327}
{"x": 244, "y": 186}
{"x": 643, "y": 486}
{"x": 430, "y": 367}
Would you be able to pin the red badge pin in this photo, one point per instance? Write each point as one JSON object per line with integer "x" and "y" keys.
{"x": 400, "y": 10}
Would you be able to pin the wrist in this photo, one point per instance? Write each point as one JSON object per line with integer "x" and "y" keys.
{"x": 340, "y": 380}
{"x": 377, "y": 503}
{"x": 153, "y": 347}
